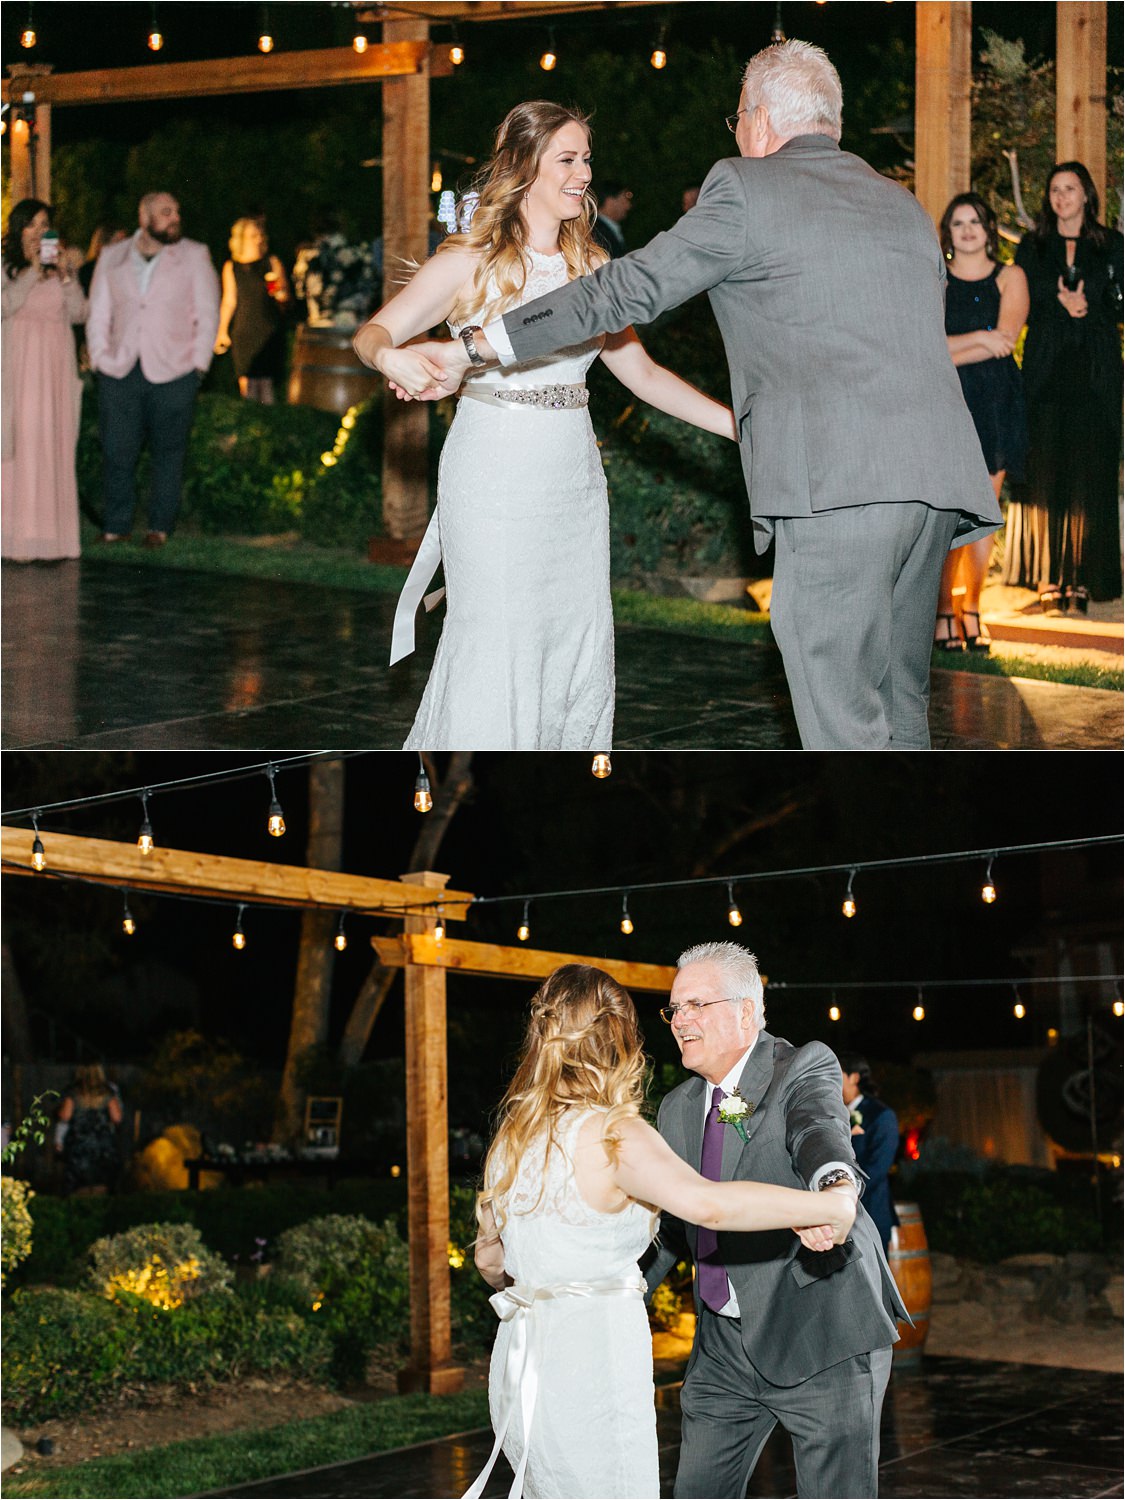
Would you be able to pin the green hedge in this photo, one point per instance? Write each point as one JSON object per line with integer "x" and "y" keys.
{"x": 69, "y": 1351}
{"x": 677, "y": 500}
{"x": 1001, "y": 1211}
{"x": 231, "y": 1220}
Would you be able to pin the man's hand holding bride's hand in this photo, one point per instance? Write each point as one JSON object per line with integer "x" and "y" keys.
{"x": 412, "y": 374}
{"x": 840, "y": 1206}
{"x": 437, "y": 370}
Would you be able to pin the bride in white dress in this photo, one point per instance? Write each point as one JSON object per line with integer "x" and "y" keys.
{"x": 525, "y": 660}
{"x": 573, "y": 1179}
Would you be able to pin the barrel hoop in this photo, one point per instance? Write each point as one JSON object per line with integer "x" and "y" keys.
{"x": 909, "y": 1255}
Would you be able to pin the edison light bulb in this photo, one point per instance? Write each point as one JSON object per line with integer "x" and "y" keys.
{"x": 128, "y": 926}
{"x": 849, "y": 907}
{"x": 265, "y": 42}
{"x": 919, "y": 1013}
{"x": 340, "y": 942}
{"x": 276, "y": 824}
{"x": 359, "y": 42}
{"x": 457, "y": 54}
{"x": 734, "y": 916}
{"x": 38, "y": 854}
{"x": 602, "y": 766}
{"x": 659, "y": 58}
{"x": 988, "y": 893}
{"x": 626, "y": 924}
{"x": 548, "y": 60}
{"x": 834, "y": 1013}
{"x": 523, "y": 932}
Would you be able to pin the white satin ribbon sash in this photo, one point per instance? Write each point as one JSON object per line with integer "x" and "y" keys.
{"x": 419, "y": 578}
{"x": 520, "y": 1382}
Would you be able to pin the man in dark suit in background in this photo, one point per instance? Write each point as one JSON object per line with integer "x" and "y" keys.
{"x": 614, "y": 202}
{"x": 874, "y": 1140}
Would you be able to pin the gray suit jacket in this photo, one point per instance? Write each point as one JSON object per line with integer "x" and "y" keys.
{"x": 801, "y": 1310}
{"x": 828, "y": 284}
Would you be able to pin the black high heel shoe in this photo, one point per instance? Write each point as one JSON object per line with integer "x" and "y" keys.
{"x": 980, "y": 640}
{"x": 951, "y": 640}
{"x": 1052, "y": 601}
{"x": 1078, "y": 600}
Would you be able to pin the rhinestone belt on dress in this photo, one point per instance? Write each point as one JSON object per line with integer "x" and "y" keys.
{"x": 541, "y": 398}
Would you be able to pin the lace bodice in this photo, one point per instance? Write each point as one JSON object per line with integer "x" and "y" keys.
{"x": 565, "y": 366}
{"x": 551, "y": 1233}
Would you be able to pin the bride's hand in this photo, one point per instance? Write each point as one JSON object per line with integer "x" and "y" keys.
{"x": 413, "y": 375}
{"x": 841, "y": 1210}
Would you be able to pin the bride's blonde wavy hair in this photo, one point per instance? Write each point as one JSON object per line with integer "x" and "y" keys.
{"x": 583, "y": 1048}
{"x": 498, "y": 228}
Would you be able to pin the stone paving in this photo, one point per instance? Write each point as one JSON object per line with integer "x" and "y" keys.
{"x": 117, "y": 657}
{"x": 951, "y": 1427}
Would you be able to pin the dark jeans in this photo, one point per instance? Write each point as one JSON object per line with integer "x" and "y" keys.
{"x": 129, "y": 410}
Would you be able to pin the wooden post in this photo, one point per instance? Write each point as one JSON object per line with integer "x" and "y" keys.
{"x": 431, "y": 1366}
{"x": 29, "y": 132}
{"x": 406, "y": 219}
{"x": 942, "y": 105}
{"x": 1080, "y": 89}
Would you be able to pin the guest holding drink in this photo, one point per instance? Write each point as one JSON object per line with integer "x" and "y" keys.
{"x": 985, "y": 309}
{"x": 1064, "y": 536}
{"x": 252, "y": 312}
{"x": 41, "y": 390}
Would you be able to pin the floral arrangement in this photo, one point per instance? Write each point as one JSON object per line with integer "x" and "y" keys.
{"x": 165, "y": 1264}
{"x": 338, "y": 281}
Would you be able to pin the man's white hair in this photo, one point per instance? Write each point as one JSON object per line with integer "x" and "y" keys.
{"x": 799, "y": 87}
{"x": 740, "y": 970}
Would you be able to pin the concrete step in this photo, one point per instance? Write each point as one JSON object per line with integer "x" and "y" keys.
{"x": 1046, "y": 630}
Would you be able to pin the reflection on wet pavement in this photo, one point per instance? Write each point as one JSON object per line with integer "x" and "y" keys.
{"x": 956, "y": 1427}
{"x": 121, "y": 657}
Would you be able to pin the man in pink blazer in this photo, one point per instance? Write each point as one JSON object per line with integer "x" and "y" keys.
{"x": 154, "y": 313}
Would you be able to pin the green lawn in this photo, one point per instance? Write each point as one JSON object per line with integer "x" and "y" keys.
{"x": 297, "y": 561}
{"x": 231, "y": 1458}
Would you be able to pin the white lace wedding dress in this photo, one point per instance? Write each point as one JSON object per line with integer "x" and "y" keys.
{"x": 581, "y": 1349}
{"x": 525, "y": 660}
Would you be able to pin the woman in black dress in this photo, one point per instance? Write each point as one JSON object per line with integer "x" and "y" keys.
{"x": 1063, "y": 536}
{"x": 252, "y": 312}
{"x": 985, "y": 308}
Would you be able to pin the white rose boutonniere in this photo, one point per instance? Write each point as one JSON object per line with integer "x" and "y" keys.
{"x": 856, "y": 1121}
{"x": 735, "y": 1110}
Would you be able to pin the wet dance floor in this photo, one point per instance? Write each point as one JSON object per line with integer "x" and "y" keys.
{"x": 108, "y": 656}
{"x": 951, "y": 1427}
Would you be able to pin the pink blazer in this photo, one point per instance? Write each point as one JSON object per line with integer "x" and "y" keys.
{"x": 170, "y": 328}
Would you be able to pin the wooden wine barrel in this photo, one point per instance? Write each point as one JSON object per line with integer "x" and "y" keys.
{"x": 909, "y": 1258}
{"x": 326, "y": 373}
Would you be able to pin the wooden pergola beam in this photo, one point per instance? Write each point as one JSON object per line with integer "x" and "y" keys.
{"x": 943, "y": 79}
{"x": 183, "y": 872}
{"x": 1080, "y": 92}
{"x": 431, "y": 1366}
{"x": 253, "y": 74}
{"x": 497, "y": 962}
{"x": 488, "y": 10}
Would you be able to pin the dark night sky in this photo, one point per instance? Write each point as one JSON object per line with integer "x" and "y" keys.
{"x": 543, "y": 822}
{"x": 74, "y": 35}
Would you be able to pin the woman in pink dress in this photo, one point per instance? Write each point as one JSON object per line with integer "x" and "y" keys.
{"x": 41, "y": 391}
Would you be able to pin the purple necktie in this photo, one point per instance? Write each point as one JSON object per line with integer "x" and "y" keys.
{"x": 714, "y": 1288}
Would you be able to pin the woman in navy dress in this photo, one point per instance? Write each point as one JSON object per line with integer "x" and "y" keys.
{"x": 985, "y": 308}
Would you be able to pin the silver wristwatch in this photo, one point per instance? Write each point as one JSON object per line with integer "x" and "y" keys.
{"x": 833, "y": 1179}
{"x": 466, "y": 336}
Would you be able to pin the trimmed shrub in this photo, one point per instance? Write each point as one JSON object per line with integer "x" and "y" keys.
{"x": 64, "y": 1352}
{"x": 231, "y": 1220}
{"x": 162, "y": 1264}
{"x": 67, "y": 1351}
{"x": 1001, "y": 1212}
{"x": 355, "y": 1277}
{"x": 15, "y": 1224}
{"x": 247, "y": 467}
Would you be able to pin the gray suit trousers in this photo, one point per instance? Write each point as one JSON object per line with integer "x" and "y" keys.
{"x": 730, "y": 1410}
{"x": 854, "y": 600}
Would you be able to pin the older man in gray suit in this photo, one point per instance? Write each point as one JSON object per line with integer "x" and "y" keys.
{"x": 860, "y": 457}
{"x": 782, "y": 1334}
